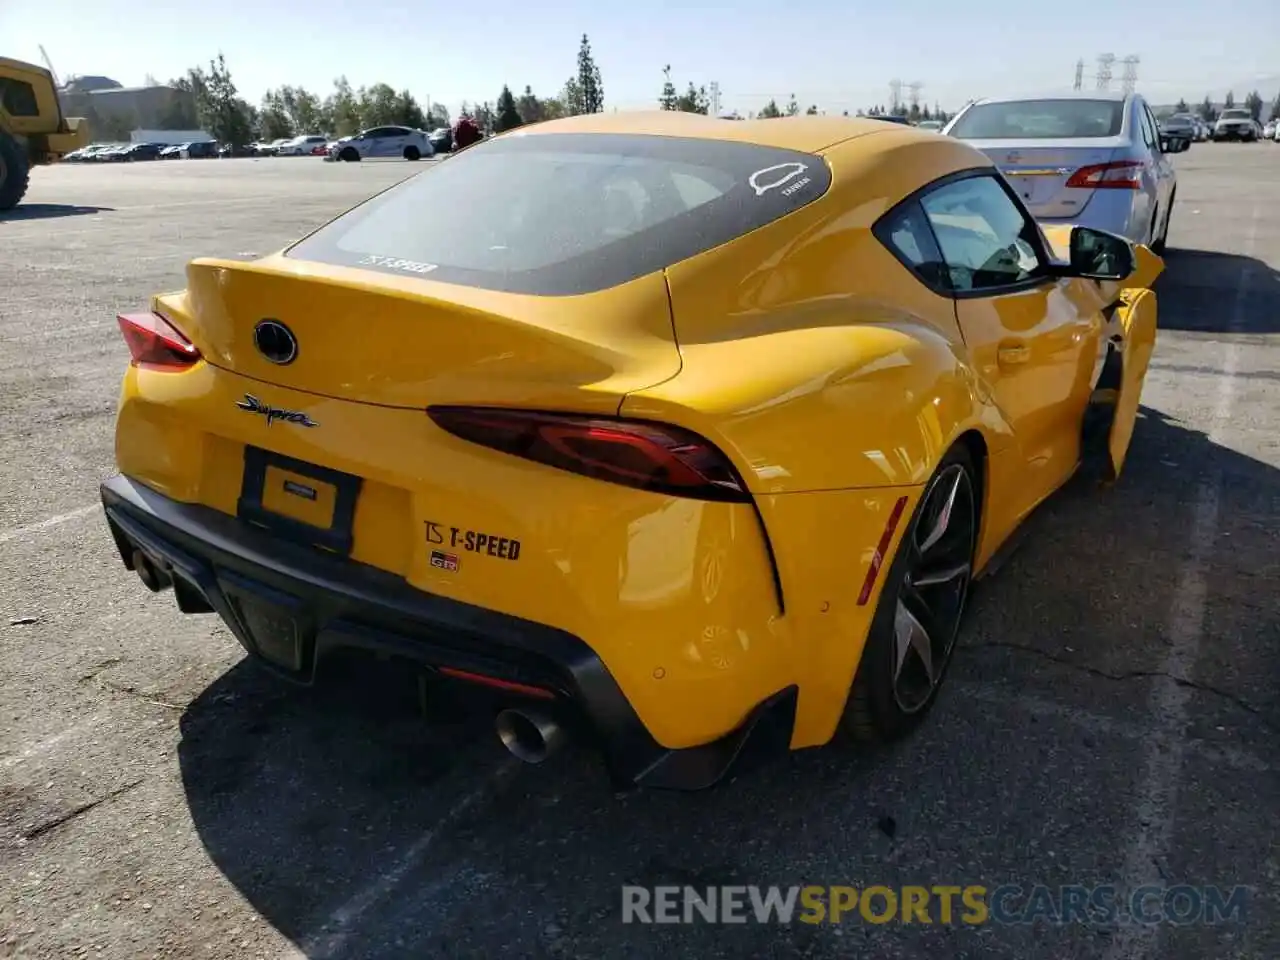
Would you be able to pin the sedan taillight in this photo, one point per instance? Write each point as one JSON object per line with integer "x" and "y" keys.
{"x": 1116, "y": 175}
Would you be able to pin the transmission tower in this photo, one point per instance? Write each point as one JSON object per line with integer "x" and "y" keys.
{"x": 715, "y": 98}
{"x": 1130, "y": 80}
{"x": 915, "y": 88}
{"x": 895, "y": 95}
{"x": 1079, "y": 74}
{"x": 1105, "y": 62}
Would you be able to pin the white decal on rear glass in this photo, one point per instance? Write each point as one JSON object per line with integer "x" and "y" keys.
{"x": 393, "y": 263}
{"x": 792, "y": 169}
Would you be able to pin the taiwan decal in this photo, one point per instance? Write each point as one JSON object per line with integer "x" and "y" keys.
{"x": 779, "y": 175}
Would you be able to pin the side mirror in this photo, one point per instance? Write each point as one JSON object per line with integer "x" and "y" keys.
{"x": 1098, "y": 255}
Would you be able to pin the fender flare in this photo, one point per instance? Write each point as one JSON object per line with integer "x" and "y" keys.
{"x": 829, "y": 408}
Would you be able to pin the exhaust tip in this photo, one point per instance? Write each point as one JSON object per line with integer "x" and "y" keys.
{"x": 529, "y": 736}
{"x": 152, "y": 577}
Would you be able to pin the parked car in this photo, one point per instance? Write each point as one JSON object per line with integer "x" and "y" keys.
{"x": 383, "y": 142}
{"x": 934, "y": 125}
{"x": 1269, "y": 130}
{"x": 1093, "y": 158}
{"x": 542, "y": 449}
{"x": 1203, "y": 131}
{"x": 143, "y": 151}
{"x": 1179, "y": 125}
{"x": 113, "y": 154}
{"x": 200, "y": 150}
{"x": 441, "y": 139}
{"x": 1236, "y": 124}
{"x": 231, "y": 150}
{"x": 301, "y": 146}
{"x": 89, "y": 153}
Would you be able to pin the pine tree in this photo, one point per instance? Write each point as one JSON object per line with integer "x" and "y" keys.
{"x": 1207, "y": 113}
{"x": 1230, "y": 101}
{"x": 508, "y": 116}
{"x": 1181, "y": 107}
{"x": 668, "y": 99}
{"x": 769, "y": 111}
{"x": 590, "y": 86}
{"x": 1275, "y": 109}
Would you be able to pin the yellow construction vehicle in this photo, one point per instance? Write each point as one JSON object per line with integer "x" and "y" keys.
{"x": 33, "y": 131}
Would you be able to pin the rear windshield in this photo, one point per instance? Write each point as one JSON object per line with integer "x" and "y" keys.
{"x": 561, "y": 214}
{"x": 1236, "y": 115}
{"x": 1040, "y": 120}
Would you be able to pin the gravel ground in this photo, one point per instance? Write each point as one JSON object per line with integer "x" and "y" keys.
{"x": 1111, "y": 717}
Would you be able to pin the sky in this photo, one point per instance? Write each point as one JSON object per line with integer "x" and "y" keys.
{"x": 835, "y": 54}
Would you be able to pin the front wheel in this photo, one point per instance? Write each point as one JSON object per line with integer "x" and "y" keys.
{"x": 917, "y": 620}
{"x": 350, "y": 155}
{"x": 14, "y": 172}
{"x": 412, "y": 153}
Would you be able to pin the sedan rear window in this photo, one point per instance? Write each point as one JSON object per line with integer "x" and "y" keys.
{"x": 1041, "y": 120}
{"x": 563, "y": 214}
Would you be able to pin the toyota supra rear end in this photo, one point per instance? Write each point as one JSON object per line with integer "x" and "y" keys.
{"x": 632, "y": 433}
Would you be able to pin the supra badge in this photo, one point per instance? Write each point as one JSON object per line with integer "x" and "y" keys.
{"x": 253, "y": 405}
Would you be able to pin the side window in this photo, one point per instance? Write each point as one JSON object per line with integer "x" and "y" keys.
{"x": 907, "y": 234}
{"x": 986, "y": 240}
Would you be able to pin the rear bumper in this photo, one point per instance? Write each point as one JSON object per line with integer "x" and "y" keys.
{"x": 291, "y": 606}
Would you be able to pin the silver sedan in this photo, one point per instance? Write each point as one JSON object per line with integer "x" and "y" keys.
{"x": 1096, "y": 159}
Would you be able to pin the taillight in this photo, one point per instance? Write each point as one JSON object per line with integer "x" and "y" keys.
{"x": 155, "y": 344}
{"x": 1116, "y": 175}
{"x": 649, "y": 456}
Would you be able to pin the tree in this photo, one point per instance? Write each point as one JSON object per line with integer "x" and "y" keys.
{"x": 1181, "y": 107}
{"x": 1230, "y": 101}
{"x": 769, "y": 111}
{"x": 587, "y": 86}
{"x": 793, "y": 108}
{"x": 530, "y": 108}
{"x": 508, "y": 116}
{"x": 225, "y": 115}
{"x": 342, "y": 109}
{"x": 484, "y": 117}
{"x": 273, "y": 120}
{"x": 1207, "y": 113}
{"x": 437, "y": 116}
{"x": 812, "y": 111}
{"x": 1253, "y": 103}
{"x": 694, "y": 100}
{"x": 1275, "y": 109}
{"x": 668, "y": 99}
{"x": 572, "y": 97}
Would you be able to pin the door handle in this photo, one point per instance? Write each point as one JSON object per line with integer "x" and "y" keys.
{"x": 1013, "y": 353}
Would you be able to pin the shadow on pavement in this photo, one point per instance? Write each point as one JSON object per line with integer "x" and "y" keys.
{"x": 1200, "y": 289}
{"x": 49, "y": 211}
{"x": 357, "y": 830}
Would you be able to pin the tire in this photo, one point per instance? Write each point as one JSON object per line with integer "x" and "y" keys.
{"x": 349, "y": 154}
{"x": 15, "y": 172}
{"x": 877, "y": 711}
{"x": 412, "y": 153}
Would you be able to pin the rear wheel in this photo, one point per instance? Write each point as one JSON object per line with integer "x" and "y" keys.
{"x": 917, "y": 619}
{"x": 412, "y": 153}
{"x": 14, "y": 172}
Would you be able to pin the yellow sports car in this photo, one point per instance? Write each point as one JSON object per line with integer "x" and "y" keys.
{"x": 673, "y": 430}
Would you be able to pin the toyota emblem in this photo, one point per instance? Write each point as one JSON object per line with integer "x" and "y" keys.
{"x": 275, "y": 341}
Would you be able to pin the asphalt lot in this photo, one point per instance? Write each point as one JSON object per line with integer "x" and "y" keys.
{"x": 1111, "y": 717}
